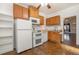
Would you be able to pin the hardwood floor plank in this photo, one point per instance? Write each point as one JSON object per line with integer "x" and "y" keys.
{"x": 49, "y": 48}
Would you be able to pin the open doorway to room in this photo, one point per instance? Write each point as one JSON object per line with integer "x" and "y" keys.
{"x": 70, "y": 31}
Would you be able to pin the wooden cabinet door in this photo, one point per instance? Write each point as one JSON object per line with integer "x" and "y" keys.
{"x": 48, "y": 21}
{"x": 49, "y": 35}
{"x": 25, "y": 13}
{"x": 54, "y": 36}
{"x": 53, "y": 20}
{"x": 41, "y": 20}
{"x": 17, "y": 11}
{"x": 34, "y": 12}
{"x": 57, "y": 20}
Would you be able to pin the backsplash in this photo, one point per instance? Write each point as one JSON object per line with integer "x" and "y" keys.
{"x": 43, "y": 27}
{"x": 38, "y": 27}
{"x": 51, "y": 28}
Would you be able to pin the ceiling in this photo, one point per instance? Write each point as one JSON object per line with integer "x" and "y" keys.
{"x": 54, "y": 7}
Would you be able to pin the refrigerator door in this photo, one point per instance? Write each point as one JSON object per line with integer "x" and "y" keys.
{"x": 23, "y": 40}
{"x": 23, "y": 24}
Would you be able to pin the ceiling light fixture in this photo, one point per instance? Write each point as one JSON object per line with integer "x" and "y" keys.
{"x": 43, "y": 4}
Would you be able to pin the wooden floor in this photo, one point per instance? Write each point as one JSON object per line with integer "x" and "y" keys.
{"x": 48, "y": 48}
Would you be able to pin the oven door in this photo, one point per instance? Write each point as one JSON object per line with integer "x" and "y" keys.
{"x": 37, "y": 41}
{"x": 37, "y": 35}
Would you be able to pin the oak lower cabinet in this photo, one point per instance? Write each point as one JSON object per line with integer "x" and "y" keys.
{"x": 53, "y": 20}
{"x": 54, "y": 36}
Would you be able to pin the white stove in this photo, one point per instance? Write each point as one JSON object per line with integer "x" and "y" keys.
{"x": 37, "y": 34}
{"x": 37, "y": 38}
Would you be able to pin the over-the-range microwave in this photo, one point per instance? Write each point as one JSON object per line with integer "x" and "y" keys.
{"x": 35, "y": 20}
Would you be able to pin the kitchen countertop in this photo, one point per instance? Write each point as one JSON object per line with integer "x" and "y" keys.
{"x": 43, "y": 31}
{"x": 60, "y": 31}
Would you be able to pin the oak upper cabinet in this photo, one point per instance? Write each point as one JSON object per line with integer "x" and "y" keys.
{"x": 20, "y": 12}
{"x": 54, "y": 36}
{"x": 25, "y": 13}
{"x": 57, "y": 20}
{"x": 53, "y": 20}
{"x": 17, "y": 11}
{"x": 48, "y": 21}
{"x": 33, "y": 12}
{"x": 41, "y": 20}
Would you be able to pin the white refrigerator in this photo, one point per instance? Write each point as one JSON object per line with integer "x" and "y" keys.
{"x": 23, "y": 34}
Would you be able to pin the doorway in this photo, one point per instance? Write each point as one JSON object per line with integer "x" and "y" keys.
{"x": 70, "y": 31}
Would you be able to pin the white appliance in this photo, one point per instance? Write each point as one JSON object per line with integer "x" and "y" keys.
{"x": 35, "y": 20}
{"x": 23, "y": 35}
{"x": 37, "y": 35}
{"x": 37, "y": 38}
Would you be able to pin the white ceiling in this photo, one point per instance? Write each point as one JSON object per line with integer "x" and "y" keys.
{"x": 54, "y": 7}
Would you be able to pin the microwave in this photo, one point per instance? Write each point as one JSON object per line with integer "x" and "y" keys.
{"x": 35, "y": 20}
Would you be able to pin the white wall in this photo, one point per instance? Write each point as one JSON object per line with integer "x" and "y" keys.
{"x": 6, "y": 8}
{"x": 6, "y": 13}
{"x": 77, "y": 31}
{"x": 72, "y": 11}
